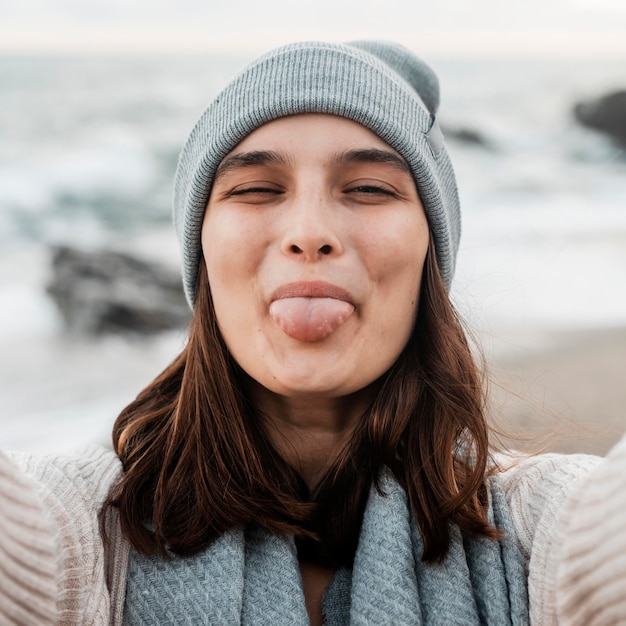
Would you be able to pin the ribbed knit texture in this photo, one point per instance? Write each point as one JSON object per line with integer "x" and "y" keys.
{"x": 253, "y": 578}
{"x": 536, "y": 489}
{"x": 382, "y": 86}
{"x": 28, "y": 565}
{"x": 590, "y": 548}
{"x": 71, "y": 491}
{"x": 56, "y": 500}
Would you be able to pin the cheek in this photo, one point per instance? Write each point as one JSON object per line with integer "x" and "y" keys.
{"x": 235, "y": 253}
{"x": 396, "y": 263}
{"x": 222, "y": 250}
{"x": 229, "y": 246}
{"x": 396, "y": 252}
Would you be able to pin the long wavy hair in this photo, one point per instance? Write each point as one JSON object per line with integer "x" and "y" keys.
{"x": 197, "y": 460}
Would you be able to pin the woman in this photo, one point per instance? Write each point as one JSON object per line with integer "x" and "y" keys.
{"x": 318, "y": 452}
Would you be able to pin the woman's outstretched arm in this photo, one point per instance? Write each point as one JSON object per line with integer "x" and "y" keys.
{"x": 589, "y": 550}
{"x": 50, "y": 539}
{"x": 537, "y": 488}
{"x": 29, "y": 569}
{"x": 569, "y": 513}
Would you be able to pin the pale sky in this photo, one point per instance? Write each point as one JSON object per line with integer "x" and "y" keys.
{"x": 529, "y": 27}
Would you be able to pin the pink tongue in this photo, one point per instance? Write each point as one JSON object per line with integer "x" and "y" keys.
{"x": 310, "y": 319}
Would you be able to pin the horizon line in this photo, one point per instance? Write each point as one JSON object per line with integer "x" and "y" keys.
{"x": 526, "y": 44}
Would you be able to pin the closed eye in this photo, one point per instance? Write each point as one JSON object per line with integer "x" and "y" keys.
{"x": 373, "y": 190}
{"x": 255, "y": 190}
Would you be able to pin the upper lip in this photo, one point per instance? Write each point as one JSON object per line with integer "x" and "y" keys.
{"x": 311, "y": 289}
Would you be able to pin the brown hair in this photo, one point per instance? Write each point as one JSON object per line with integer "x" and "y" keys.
{"x": 197, "y": 461}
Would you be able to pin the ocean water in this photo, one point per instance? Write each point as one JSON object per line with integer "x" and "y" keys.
{"x": 88, "y": 147}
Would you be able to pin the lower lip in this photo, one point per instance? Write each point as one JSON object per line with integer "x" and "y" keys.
{"x": 310, "y": 319}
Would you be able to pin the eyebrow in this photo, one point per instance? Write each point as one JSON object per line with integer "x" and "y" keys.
{"x": 258, "y": 158}
{"x": 254, "y": 158}
{"x": 374, "y": 155}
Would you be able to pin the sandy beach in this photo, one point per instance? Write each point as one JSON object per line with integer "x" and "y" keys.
{"x": 565, "y": 391}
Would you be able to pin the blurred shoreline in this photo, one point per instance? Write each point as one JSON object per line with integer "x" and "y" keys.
{"x": 87, "y": 156}
{"x": 565, "y": 391}
{"x": 562, "y": 391}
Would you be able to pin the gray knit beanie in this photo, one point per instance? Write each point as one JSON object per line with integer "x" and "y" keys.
{"x": 382, "y": 86}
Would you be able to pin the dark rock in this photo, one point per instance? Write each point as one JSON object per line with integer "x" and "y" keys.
{"x": 100, "y": 292}
{"x": 606, "y": 114}
{"x": 469, "y": 136}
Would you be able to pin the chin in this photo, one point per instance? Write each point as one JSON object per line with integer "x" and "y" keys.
{"x": 310, "y": 389}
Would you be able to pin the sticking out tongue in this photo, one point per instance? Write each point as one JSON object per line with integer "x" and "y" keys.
{"x": 310, "y": 319}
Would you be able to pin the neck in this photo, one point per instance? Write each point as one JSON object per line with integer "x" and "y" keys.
{"x": 310, "y": 432}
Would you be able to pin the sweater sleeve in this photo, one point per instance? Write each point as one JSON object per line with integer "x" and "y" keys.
{"x": 589, "y": 547}
{"x": 29, "y": 569}
{"x": 69, "y": 492}
{"x": 537, "y": 489}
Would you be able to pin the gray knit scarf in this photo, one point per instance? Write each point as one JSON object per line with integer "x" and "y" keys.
{"x": 252, "y": 578}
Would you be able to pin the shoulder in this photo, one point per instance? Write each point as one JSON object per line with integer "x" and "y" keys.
{"x": 537, "y": 489}
{"x": 92, "y": 470}
{"x": 588, "y": 570}
{"x": 28, "y": 570}
{"x": 72, "y": 489}
{"x": 538, "y": 485}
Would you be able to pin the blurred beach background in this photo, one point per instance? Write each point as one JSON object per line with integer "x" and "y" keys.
{"x": 97, "y": 99}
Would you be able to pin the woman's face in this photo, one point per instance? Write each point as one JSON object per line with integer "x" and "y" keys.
{"x": 314, "y": 240}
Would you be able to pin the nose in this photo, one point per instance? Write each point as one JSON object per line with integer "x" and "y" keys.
{"x": 311, "y": 228}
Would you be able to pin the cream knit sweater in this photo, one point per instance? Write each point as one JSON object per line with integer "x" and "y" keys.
{"x": 569, "y": 513}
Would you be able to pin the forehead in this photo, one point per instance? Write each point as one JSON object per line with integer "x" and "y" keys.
{"x": 311, "y": 130}
{"x": 328, "y": 139}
